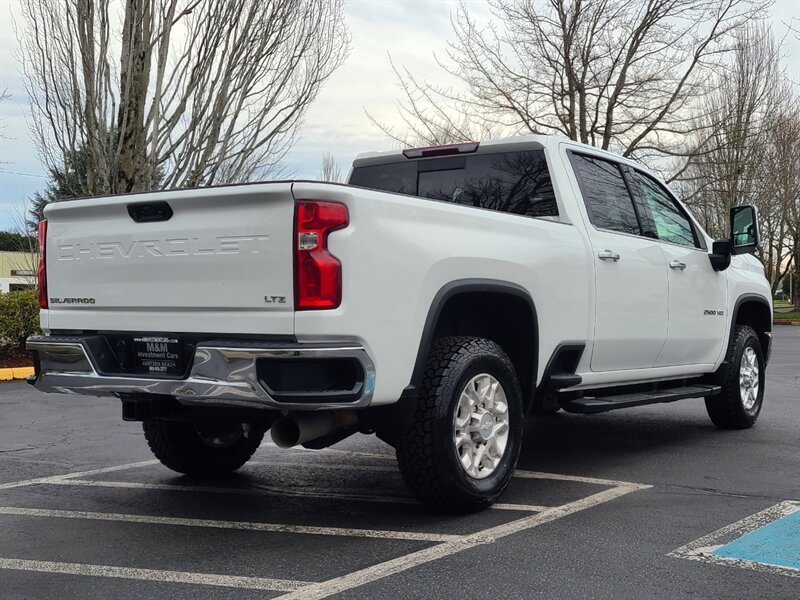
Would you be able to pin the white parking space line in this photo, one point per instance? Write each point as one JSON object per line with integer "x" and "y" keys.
{"x": 574, "y": 478}
{"x": 519, "y": 507}
{"x": 520, "y": 474}
{"x": 327, "y": 466}
{"x": 56, "y": 479}
{"x": 231, "y": 581}
{"x": 50, "y": 478}
{"x": 444, "y": 544}
{"x": 415, "y": 559}
{"x": 702, "y": 548}
{"x": 317, "y": 493}
{"x": 75, "y": 479}
{"x": 238, "y": 525}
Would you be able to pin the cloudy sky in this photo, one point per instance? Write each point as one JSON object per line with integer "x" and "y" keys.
{"x": 411, "y": 30}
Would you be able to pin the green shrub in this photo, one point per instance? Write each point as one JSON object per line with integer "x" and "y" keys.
{"x": 19, "y": 316}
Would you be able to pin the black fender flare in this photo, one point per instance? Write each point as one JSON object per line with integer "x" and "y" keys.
{"x": 751, "y": 297}
{"x": 466, "y": 286}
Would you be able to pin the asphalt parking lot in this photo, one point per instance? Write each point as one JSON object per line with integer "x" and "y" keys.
{"x": 622, "y": 505}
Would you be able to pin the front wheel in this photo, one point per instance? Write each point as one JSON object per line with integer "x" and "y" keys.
{"x": 741, "y": 376}
{"x": 199, "y": 449}
{"x": 462, "y": 448}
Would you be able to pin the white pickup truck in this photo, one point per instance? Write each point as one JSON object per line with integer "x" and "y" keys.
{"x": 435, "y": 300}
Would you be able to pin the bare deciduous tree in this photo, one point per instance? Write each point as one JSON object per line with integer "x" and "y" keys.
{"x": 749, "y": 148}
{"x": 431, "y": 115}
{"x": 785, "y": 189}
{"x": 616, "y": 74}
{"x": 4, "y": 95}
{"x": 175, "y": 93}
{"x": 330, "y": 169}
{"x": 779, "y": 198}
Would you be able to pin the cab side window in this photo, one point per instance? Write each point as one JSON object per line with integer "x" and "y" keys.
{"x": 607, "y": 198}
{"x": 671, "y": 223}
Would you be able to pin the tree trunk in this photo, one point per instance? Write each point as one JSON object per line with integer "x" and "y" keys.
{"x": 796, "y": 282}
{"x": 134, "y": 80}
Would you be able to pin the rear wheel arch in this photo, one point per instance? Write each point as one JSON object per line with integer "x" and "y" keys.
{"x": 500, "y": 311}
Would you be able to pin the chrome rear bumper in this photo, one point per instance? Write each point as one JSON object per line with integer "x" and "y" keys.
{"x": 221, "y": 374}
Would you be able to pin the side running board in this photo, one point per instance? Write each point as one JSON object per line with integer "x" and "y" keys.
{"x": 598, "y": 404}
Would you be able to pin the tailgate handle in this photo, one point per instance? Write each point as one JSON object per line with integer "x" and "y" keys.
{"x": 150, "y": 212}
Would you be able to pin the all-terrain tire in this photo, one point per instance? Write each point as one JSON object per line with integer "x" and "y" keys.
{"x": 728, "y": 409}
{"x": 427, "y": 452}
{"x": 182, "y": 447}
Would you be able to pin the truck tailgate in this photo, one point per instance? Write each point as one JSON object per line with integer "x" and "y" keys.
{"x": 221, "y": 259}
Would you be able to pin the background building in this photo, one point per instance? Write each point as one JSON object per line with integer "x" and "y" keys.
{"x": 17, "y": 271}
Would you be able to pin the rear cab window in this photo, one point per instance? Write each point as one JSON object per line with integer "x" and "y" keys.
{"x": 512, "y": 182}
{"x": 606, "y": 194}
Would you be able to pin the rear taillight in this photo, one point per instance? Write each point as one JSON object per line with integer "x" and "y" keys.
{"x": 317, "y": 273}
{"x": 41, "y": 271}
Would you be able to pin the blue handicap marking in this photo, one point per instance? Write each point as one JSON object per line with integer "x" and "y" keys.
{"x": 777, "y": 543}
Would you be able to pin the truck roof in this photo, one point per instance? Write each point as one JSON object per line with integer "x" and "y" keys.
{"x": 508, "y": 144}
{"x": 518, "y": 142}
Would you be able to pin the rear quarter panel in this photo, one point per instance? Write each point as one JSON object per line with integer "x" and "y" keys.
{"x": 399, "y": 251}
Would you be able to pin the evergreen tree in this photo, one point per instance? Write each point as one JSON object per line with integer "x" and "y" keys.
{"x": 65, "y": 182}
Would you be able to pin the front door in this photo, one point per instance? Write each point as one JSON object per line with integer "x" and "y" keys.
{"x": 697, "y": 293}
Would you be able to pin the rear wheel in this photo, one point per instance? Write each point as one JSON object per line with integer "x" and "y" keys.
{"x": 201, "y": 449}
{"x": 463, "y": 446}
{"x": 742, "y": 379}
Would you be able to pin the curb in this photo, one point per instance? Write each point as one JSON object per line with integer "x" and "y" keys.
{"x": 15, "y": 373}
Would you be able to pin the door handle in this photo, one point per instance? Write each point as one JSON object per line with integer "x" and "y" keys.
{"x": 676, "y": 264}
{"x": 608, "y": 255}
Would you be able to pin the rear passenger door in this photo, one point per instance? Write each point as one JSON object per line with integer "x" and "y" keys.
{"x": 630, "y": 271}
{"x": 697, "y": 293}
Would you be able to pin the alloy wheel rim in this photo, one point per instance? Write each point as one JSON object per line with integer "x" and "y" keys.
{"x": 481, "y": 426}
{"x": 748, "y": 378}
